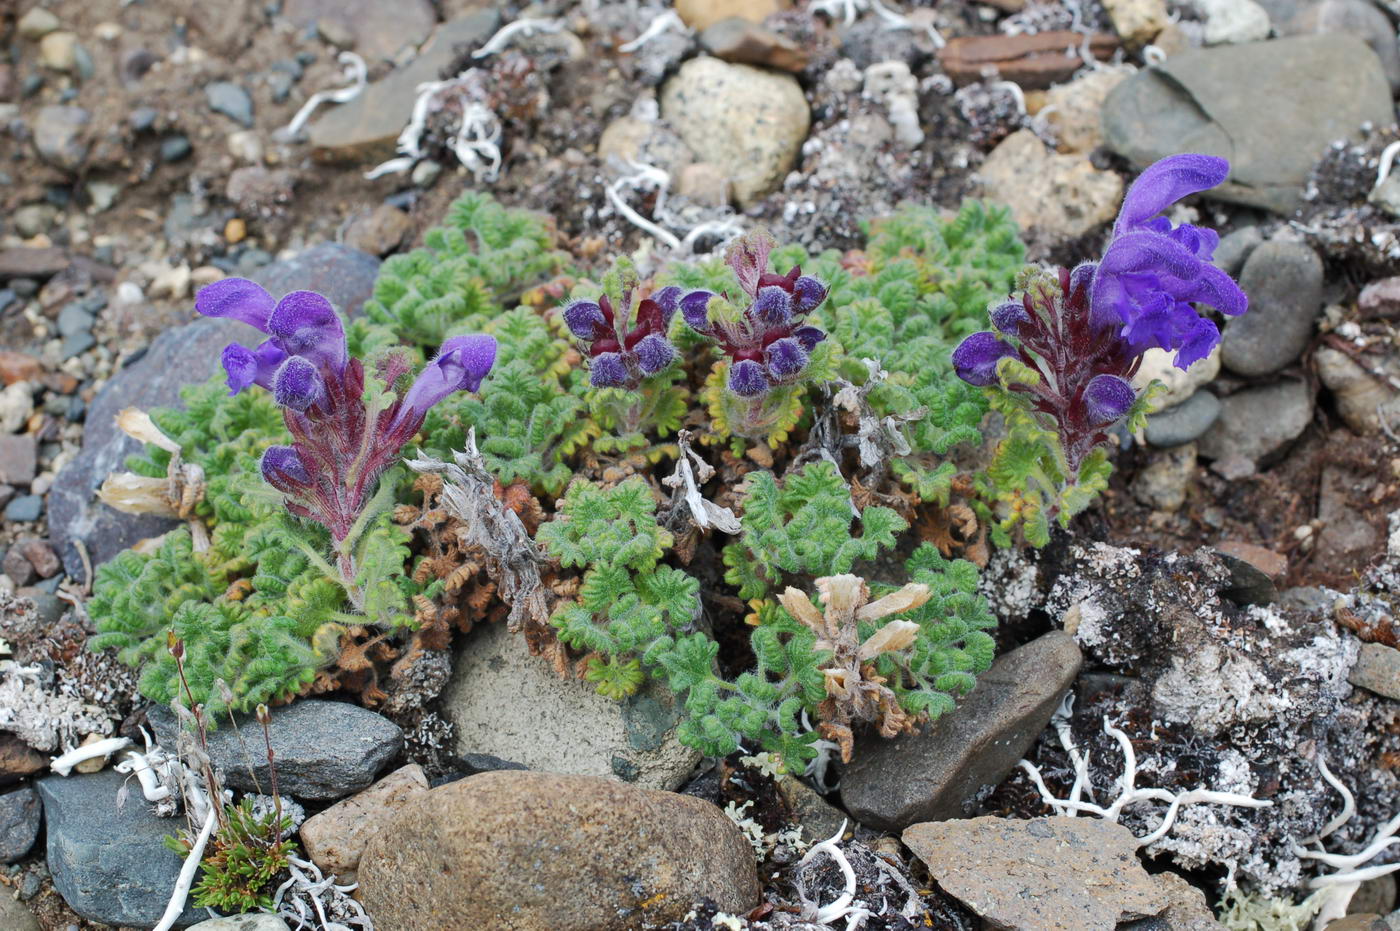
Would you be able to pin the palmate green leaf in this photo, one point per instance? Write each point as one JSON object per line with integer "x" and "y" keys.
{"x": 610, "y": 527}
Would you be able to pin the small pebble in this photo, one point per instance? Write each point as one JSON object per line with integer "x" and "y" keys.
{"x": 231, "y": 100}
{"x": 142, "y": 118}
{"x": 174, "y": 148}
{"x": 235, "y": 230}
{"x": 25, "y": 508}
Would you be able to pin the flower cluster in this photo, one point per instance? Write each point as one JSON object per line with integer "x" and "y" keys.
{"x": 1082, "y": 333}
{"x": 624, "y": 348}
{"x": 341, "y": 442}
{"x": 767, "y": 342}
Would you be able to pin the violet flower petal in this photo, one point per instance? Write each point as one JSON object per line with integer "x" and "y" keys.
{"x": 975, "y": 360}
{"x": 809, "y": 336}
{"x": 584, "y": 318}
{"x": 236, "y": 299}
{"x": 807, "y": 293}
{"x": 305, "y": 324}
{"x": 298, "y": 384}
{"x": 773, "y": 306}
{"x": 608, "y": 370}
{"x": 1196, "y": 343}
{"x": 786, "y": 358}
{"x": 283, "y": 469}
{"x": 746, "y": 379}
{"x": 669, "y": 300}
{"x": 695, "y": 308}
{"x": 1008, "y": 317}
{"x": 654, "y": 353}
{"x": 1164, "y": 183}
{"x": 1107, "y": 398}
{"x": 246, "y": 366}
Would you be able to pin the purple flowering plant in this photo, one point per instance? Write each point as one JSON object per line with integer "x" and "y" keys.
{"x": 1061, "y": 356}
{"x": 764, "y": 337}
{"x": 345, "y": 432}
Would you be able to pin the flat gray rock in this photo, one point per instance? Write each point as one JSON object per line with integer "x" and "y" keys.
{"x": 1284, "y": 284}
{"x": 1271, "y": 108}
{"x": 324, "y": 750}
{"x": 110, "y": 862}
{"x": 1258, "y": 422}
{"x": 185, "y": 355}
{"x": 1184, "y": 422}
{"x": 891, "y": 784}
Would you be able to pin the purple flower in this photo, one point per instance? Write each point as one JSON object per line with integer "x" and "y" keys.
{"x": 1107, "y": 398}
{"x": 746, "y": 379}
{"x": 283, "y": 469}
{"x": 1008, "y": 317}
{"x": 246, "y": 366}
{"x": 668, "y": 299}
{"x": 695, "y": 308}
{"x": 654, "y": 353}
{"x": 460, "y": 365}
{"x": 298, "y": 385}
{"x": 786, "y": 359}
{"x": 585, "y": 319}
{"x": 808, "y": 336}
{"x": 305, "y": 324}
{"x": 975, "y": 360}
{"x": 807, "y": 293}
{"x": 236, "y": 299}
{"x": 608, "y": 371}
{"x": 773, "y": 306}
{"x": 1152, "y": 272}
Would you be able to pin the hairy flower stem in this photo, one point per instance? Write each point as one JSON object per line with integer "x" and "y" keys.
{"x": 177, "y": 650}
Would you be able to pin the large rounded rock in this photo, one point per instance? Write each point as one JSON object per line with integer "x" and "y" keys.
{"x": 891, "y": 784}
{"x": 185, "y": 355}
{"x": 1272, "y": 108}
{"x": 1284, "y": 284}
{"x": 1054, "y": 197}
{"x": 522, "y": 851}
{"x": 1184, "y": 422}
{"x": 748, "y": 121}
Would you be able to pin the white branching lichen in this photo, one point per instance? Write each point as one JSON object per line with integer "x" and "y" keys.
{"x": 1129, "y": 792}
{"x": 355, "y": 72}
{"x": 41, "y": 713}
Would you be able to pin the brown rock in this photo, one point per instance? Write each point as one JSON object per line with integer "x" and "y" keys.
{"x": 18, "y": 366}
{"x": 1272, "y": 564}
{"x": 818, "y": 818}
{"x": 335, "y": 839}
{"x": 704, "y": 184}
{"x": 526, "y": 851}
{"x": 1359, "y": 923}
{"x": 1033, "y": 61}
{"x": 18, "y": 759}
{"x": 18, "y": 459}
{"x": 740, "y": 40}
{"x": 1045, "y": 874}
{"x": 702, "y": 14}
{"x": 380, "y": 231}
{"x": 1188, "y": 910}
{"x": 1075, "y": 109}
{"x": 368, "y": 126}
{"x": 41, "y": 556}
{"x": 1380, "y": 298}
{"x": 1363, "y": 401}
{"x": 43, "y": 262}
{"x": 1054, "y": 197}
{"x": 17, "y": 567}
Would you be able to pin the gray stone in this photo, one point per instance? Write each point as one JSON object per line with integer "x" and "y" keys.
{"x": 109, "y": 861}
{"x": 1377, "y": 670}
{"x": 1376, "y": 896}
{"x": 324, "y": 750}
{"x": 1258, "y": 422}
{"x": 1272, "y": 108}
{"x": 559, "y": 725}
{"x": 748, "y": 121}
{"x": 185, "y": 355}
{"x": 252, "y": 922}
{"x": 59, "y": 136}
{"x": 1284, "y": 284}
{"x": 231, "y": 100}
{"x": 817, "y": 817}
{"x": 37, "y": 23}
{"x": 20, "y": 815}
{"x": 1044, "y": 874}
{"x": 1235, "y": 248}
{"x": 1355, "y": 17}
{"x": 891, "y": 784}
{"x": 18, "y": 459}
{"x": 75, "y": 344}
{"x": 25, "y": 508}
{"x": 74, "y": 318}
{"x": 375, "y": 29}
{"x": 1184, "y": 422}
{"x": 16, "y": 916}
{"x": 174, "y": 148}
{"x": 368, "y": 126}
{"x": 1162, "y": 485}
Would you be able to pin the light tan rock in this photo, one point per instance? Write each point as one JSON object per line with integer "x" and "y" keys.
{"x": 335, "y": 839}
{"x": 522, "y": 851}
{"x": 1137, "y": 21}
{"x": 1180, "y": 385}
{"x": 1362, "y": 401}
{"x": 1060, "y": 197}
{"x": 59, "y": 51}
{"x": 702, "y": 14}
{"x": 748, "y": 121}
{"x": 1075, "y": 110}
{"x": 1042, "y": 874}
{"x": 37, "y": 23}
